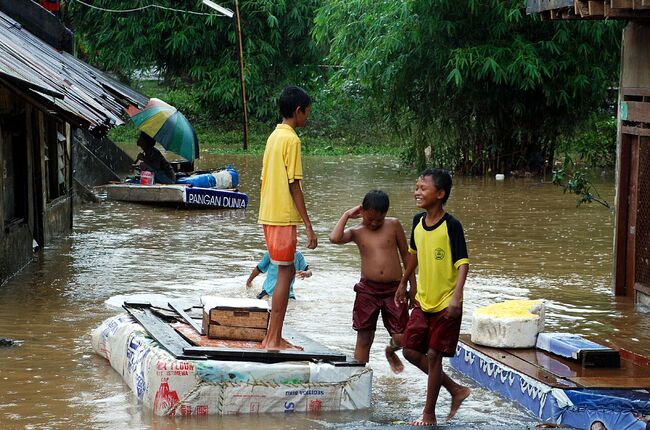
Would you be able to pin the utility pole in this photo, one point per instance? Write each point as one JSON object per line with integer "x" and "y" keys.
{"x": 240, "y": 51}
{"x": 242, "y": 74}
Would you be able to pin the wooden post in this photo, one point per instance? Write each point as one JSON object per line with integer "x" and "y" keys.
{"x": 242, "y": 74}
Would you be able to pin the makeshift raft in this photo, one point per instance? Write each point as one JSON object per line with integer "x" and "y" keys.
{"x": 175, "y": 371}
{"x": 177, "y": 195}
{"x": 560, "y": 390}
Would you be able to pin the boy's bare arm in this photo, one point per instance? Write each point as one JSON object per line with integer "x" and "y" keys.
{"x": 454, "y": 309}
{"x": 402, "y": 245}
{"x": 400, "y": 294}
{"x": 299, "y": 200}
{"x": 339, "y": 234}
{"x": 253, "y": 275}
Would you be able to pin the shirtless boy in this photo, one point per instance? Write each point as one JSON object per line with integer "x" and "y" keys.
{"x": 381, "y": 243}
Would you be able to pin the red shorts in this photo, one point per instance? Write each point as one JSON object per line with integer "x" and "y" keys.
{"x": 374, "y": 297}
{"x": 281, "y": 241}
{"x": 426, "y": 330}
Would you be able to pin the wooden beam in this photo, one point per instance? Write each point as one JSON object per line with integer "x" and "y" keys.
{"x": 640, "y": 92}
{"x": 636, "y": 111}
{"x": 621, "y": 4}
{"x": 635, "y": 131}
{"x": 596, "y": 8}
{"x": 580, "y": 7}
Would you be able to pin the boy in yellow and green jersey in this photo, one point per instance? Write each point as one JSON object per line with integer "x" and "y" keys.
{"x": 438, "y": 247}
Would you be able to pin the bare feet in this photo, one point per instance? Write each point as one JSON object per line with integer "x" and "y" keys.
{"x": 456, "y": 400}
{"x": 394, "y": 361}
{"x": 426, "y": 420}
{"x": 266, "y": 344}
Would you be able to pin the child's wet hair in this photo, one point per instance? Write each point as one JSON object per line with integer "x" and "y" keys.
{"x": 441, "y": 178}
{"x": 376, "y": 200}
{"x": 293, "y": 97}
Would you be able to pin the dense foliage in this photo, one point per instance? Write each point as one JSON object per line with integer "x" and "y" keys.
{"x": 482, "y": 86}
{"x": 485, "y": 86}
{"x": 199, "y": 53}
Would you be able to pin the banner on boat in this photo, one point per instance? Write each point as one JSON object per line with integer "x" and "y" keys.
{"x": 215, "y": 198}
{"x": 176, "y": 387}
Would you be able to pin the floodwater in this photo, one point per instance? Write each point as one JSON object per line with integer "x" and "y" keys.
{"x": 526, "y": 240}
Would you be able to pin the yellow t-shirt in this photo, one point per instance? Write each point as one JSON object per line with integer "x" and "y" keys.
{"x": 441, "y": 250}
{"x": 280, "y": 167}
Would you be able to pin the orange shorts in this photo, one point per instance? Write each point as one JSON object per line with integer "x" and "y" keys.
{"x": 281, "y": 241}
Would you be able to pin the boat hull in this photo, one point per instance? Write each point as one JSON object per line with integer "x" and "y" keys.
{"x": 178, "y": 195}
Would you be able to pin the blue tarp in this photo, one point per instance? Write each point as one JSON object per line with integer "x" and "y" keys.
{"x": 582, "y": 409}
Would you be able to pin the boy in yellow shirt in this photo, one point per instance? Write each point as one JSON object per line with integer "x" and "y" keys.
{"x": 438, "y": 247}
{"x": 282, "y": 203}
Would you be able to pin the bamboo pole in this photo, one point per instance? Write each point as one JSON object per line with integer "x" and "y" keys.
{"x": 242, "y": 74}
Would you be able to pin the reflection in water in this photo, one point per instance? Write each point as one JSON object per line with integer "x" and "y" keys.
{"x": 526, "y": 240}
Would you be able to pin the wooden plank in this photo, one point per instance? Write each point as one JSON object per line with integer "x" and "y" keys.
{"x": 635, "y": 131}
{"x": 620, "y": 234}
{"x": 191, "y": 321}
{"x": 312, "y": 350}
{"x": 259, "y": 356}
{"x": 565, "y": 373}
{"x": 613, "y": 382}
{"x": 596, "y": 8}
{"x": 640, "y": 92}
{"x": 636, "y": 111}
{"x": 216, "y": 331}
{"x": 163, "y": 333}
{"x": 633, "y": 204}
{"x": 520, "y": 365}
{"x": 621, "y": 4}
{"x": 645, "y": 289}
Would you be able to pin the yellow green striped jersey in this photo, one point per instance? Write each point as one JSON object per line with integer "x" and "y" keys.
{"x": 441, "y": 250}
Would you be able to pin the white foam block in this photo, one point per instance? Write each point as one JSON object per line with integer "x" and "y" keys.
{"x": 509, "y": 324}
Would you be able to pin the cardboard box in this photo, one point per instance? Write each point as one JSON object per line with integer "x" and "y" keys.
{"x": 235, "y": 319}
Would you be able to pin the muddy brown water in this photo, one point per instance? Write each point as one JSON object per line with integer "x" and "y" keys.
{"x": 526, "y": 240}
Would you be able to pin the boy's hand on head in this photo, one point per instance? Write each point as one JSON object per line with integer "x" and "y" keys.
{"x": 355, "y": 212}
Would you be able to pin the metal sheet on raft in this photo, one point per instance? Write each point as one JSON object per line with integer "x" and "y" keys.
{"x": 177, "y": 345}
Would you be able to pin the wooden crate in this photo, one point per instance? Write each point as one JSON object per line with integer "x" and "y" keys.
{"x": 236, "y": 323}
{"x": 216, "y": 331}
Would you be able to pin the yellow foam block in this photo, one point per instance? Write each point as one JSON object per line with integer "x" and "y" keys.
{"x": 509, "y": 324}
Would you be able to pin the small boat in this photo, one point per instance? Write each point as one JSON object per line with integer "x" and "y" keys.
{"x": 597, "y": 392}
{"x": 176, "y": 371}
{"x": 205, "y": 190}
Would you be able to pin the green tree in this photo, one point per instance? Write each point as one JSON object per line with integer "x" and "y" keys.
{"x": 199, "y": 52}
{"x": 487, "y": 87}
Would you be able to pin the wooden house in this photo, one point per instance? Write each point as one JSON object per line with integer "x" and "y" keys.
{"x": 632, "y": 234}
{"x": 50, "y": 103}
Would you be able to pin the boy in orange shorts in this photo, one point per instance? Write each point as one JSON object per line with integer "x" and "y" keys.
{"x": 282, "y": 203}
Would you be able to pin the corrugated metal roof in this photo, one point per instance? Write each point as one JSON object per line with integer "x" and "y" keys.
{"x": 61, "y": 81}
